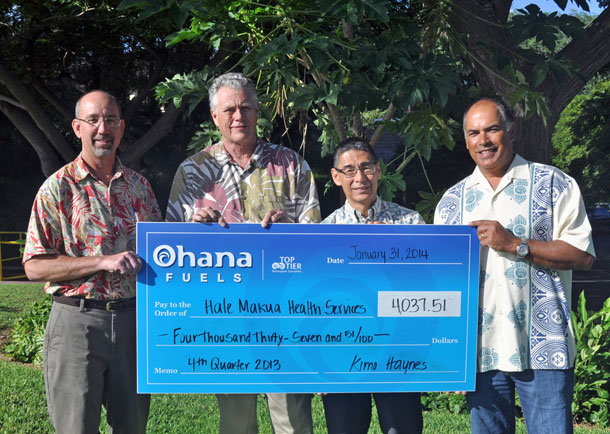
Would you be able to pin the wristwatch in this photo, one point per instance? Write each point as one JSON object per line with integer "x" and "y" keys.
{"x": 523, "y": 249}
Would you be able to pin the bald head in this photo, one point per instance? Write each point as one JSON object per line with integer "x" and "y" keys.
{"x": 503, "y": 113}
{"x": 95, "y": 94}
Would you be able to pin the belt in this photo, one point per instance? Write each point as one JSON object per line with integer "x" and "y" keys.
{"x": 108, "y": 305}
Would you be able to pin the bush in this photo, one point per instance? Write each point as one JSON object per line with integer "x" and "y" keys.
{"x": 451, "y": 402}
{"x": 27, "y": 337}
{"x": 591, "y": 402}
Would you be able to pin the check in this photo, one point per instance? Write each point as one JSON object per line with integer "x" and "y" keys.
{"x": 306, "y": 308}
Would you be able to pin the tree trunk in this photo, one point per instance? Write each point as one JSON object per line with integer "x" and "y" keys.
{"x": 533, "y": 138}
{"x": 483, "y": 22}
{"x": 49, "y": 162}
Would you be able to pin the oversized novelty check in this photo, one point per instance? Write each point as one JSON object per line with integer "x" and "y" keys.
{"x": 306, "y": 308}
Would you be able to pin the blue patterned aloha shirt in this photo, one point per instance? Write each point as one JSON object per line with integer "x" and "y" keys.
{"x": 382, "y": 211}
{"x": 524, "y": 309}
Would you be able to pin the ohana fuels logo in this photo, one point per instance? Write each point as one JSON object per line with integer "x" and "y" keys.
{"x": 286, "y": 264}
{"x": 167, "y": 256}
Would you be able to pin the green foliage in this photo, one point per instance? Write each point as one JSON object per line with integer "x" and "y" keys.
{"x": 592, "y": 389}
{"x": 389, "y": 183}
{"x": 580, "y": 142}
{"x": 423, "y": 131}
{"x": 548, "y": 29}
{"x": 192, "y": 87}
{"x": 453, "y": 402}
{"x": 205, "y": 136}
{"x": 333, "y": 61}
{"x": 427, "y": 205}
{"x": 27, "y": 337}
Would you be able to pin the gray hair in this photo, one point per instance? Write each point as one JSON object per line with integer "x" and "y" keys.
{"x": 234, "y": 80}
{"x": 112, "y": 97}
{"x": 505, "y": 114}
{"x": 353, "y": 144}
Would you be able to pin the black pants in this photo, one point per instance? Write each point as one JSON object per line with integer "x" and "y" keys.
{"x": 350, "y": 413}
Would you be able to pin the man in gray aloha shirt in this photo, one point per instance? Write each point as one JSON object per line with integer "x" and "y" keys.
{"x": 243, "y": 179}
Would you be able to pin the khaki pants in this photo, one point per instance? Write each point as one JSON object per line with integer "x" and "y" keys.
{"x": 89, "y": 361}
{"x": 290, "y": 413}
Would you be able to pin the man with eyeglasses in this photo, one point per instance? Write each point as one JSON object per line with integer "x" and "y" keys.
{"x": 81, "y": 240}
{"x": 357, "y": 171}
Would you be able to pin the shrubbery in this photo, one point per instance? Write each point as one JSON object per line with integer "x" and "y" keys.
{"x": 27, "y": 337}
{"x": 452, "y": 402}
{"x": 591, "y": 392}
{"x": 592, "y": 389}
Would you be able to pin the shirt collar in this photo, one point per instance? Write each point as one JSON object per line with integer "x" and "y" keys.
{"x": 372, "y": 213}
{"x": 81, "y": 170}
{"x": 518, "y": 169}
{"x": 222, "y": 156}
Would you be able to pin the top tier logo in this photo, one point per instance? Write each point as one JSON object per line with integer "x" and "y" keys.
{"x": 286, "y": 264}
{"x": 166, "y": 256}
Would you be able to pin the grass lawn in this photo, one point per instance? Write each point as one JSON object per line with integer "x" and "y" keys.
{"x": 23, "y": 406}
{"x": 16, "y": 298}
{"x": 23, "y": 409}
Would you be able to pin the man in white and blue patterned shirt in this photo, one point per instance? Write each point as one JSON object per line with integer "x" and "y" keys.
{"x": 357, "y": 172}
{"x": 534, "y": 231}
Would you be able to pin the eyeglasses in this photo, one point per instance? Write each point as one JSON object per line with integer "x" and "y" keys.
{"x": 366, "y": 169}
{"x": 110, "y": 121}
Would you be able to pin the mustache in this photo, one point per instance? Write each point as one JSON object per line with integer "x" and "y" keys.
{"x": 103, "y": 137}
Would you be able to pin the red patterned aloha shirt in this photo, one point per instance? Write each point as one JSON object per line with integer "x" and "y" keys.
{"x": 76, "y": 214}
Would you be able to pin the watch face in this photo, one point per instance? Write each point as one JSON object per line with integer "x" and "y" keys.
{"x": 522, "y": 250}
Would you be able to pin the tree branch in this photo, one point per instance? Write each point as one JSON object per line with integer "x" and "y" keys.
{"x": 12, "y": 101}
{"x": 39, "y": 116}
{"x": 387, "y": 116}
{"x": 590, "y": 55}
{"x": 51, "y": 98}
{"x": 333, "y": 112}
{"x": 154, "y": 135}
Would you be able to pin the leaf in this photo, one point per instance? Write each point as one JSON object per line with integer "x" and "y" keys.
{"x": 538, "y": 75}
{"x": 389, "y": 183}
{"x": 302, "y": 97}
{"x": 379, "y": 8}
{"x": 178, "y": 15}
{"x": 148, "y": 8}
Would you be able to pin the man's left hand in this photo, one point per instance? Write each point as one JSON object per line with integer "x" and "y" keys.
{"x": 493, "y": 235}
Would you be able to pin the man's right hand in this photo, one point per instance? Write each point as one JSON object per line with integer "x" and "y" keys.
{"x": 208, "y": 215}
{"x": 56, "y": 268}
{"x": 124, "y": 263}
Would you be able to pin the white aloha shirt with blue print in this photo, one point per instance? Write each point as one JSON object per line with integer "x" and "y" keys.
{"x": 382, "y": 211}
{"x": 524, "y": 309}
